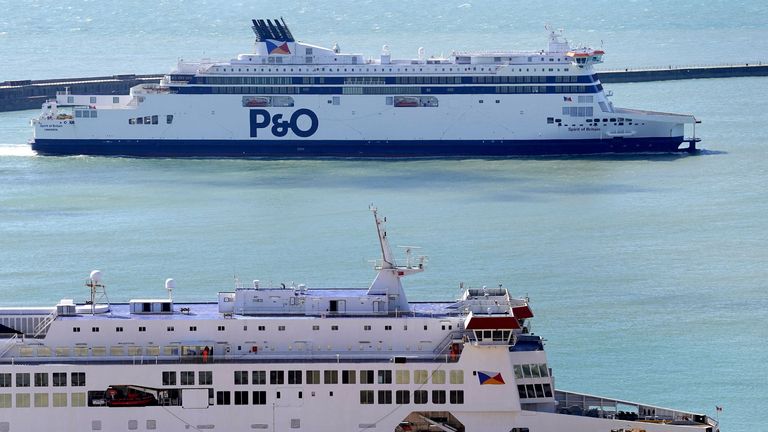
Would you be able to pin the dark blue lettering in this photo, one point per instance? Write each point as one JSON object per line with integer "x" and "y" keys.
{"x": 312, "y": 125}
{"x": 259, "y": 119}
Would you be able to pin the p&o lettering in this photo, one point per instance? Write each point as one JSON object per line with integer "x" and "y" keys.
{"x": 262, "y": 119}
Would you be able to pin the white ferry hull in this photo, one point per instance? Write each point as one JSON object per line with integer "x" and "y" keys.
{"x": 360, "y": 126}
{"x": 293, "y": 99}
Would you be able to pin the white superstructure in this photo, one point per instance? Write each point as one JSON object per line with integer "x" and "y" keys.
{"x": 293, "y": 358}
{"x": 292, "y": 99}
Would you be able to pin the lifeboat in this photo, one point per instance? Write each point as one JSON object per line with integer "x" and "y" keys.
{"x": 128, "y": 397}
{"x": 406, "y": 102}
{"x": 257, "y": 102}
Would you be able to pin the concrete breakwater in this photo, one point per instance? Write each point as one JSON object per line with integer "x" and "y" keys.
{"x": 30, "y": 94}
{"x": 683, "y": 72}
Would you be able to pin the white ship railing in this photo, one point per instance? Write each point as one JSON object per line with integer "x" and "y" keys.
{"x": 42, "y": 326}
{"x": 261, "y": 357}
{"x": 8, "y": 344}
{"x": 583, "y": 404}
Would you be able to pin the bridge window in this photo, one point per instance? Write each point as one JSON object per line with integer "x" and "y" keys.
{"x": 5, "y": 379}
{"x": 276, "y": 377}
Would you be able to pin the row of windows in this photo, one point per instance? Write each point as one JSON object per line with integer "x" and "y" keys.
{"x": 537, "y": 370}
{"x": 616, "y": 121}
{"x": 581, "y": 111}
{"x": 273, "y": 59}
{"x": 367, "y": 397}
{"x": 58, "y": 379}
{"x": 366, "y": 327}
{"x": 242, "y": 398}
{"x": 89, "y": 113}
{"x": 380, "y": 80}
{"x": 41, "y": 400}
{"x": 403, "y": 397}
{"x": 150, "y": 120}
{"x": 392, "y": 90}
{"x": 188, "y": 378}
{"x": 420, "y": 376}
{"x": 92, "y": 99}
{"x": 532, "y": 391}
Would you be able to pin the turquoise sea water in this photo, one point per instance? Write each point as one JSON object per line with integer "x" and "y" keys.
{"x": 647, "y": 274}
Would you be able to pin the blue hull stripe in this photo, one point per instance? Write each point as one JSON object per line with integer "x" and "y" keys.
{"x": 349, "y": 148}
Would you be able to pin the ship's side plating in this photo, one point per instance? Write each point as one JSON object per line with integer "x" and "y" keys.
{"x": 298, "y": 100}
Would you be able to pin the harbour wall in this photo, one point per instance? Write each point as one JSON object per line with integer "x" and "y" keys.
{"x": 30, "y": 94}
{"x": 683, "y": 72}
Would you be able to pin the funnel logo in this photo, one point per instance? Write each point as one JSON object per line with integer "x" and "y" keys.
{"x": 277, "y": 47}
{"x": 492, "y": 378}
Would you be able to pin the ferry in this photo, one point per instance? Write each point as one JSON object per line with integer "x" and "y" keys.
{"x": 292, "y": 99}
{"x": 290, "y": 357}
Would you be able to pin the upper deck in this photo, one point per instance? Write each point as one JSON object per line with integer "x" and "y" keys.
{"x": 277, "y": 52}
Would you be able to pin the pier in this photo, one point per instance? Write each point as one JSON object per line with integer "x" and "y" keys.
{"x": 667, "y": 73}
{"x": 30, "y": 94}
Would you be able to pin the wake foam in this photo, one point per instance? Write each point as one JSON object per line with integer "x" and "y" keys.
{"x": 16, "y": 150}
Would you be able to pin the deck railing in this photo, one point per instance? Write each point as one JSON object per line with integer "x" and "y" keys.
{"x": 582, "y": 404}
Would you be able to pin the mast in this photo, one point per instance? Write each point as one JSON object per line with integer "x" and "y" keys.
{"x": 387, "y": 281}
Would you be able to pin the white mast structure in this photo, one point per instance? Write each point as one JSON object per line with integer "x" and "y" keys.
{"x": 387, "y": 281}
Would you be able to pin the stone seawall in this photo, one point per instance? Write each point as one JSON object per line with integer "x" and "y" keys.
{"x": 681, "y": 73}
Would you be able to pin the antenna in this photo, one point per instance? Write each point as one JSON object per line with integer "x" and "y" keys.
{"x": 386, "y": 252}
{"x": 170, "y": 285}
{"x": 98, "y": 290}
